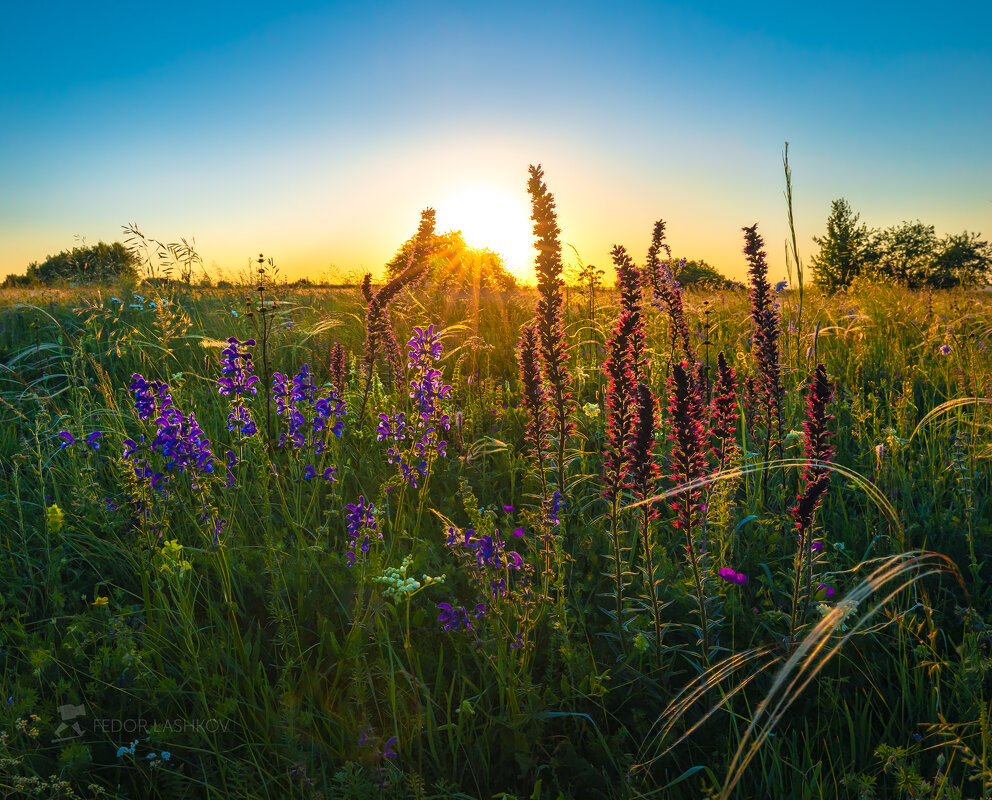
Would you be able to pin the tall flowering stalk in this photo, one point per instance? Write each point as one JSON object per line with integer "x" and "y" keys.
{"x": 238, "y": 380}
{"x": 764, "y": 313}
{"x": 380, "y": 338}
{"x": 668, "y": 291}
{"x": 724, "y": 416}
{"x": 644, "y": 473}
{"x": 338, "y": 367}
{"x": 306, "y": 417}
{"x": 424, "y": 425}
{"x": 688, "y": 465}
{"x": 652, "y": 274}
{"x": 816, "y": 479}
{"x": 623, "y": 368}
{"x": 550, "y": 317}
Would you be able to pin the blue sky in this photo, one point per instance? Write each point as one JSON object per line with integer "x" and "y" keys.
{"x": 316, "y": 134}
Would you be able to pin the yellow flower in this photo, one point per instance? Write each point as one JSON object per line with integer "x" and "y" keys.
{"x": 54, "y": 518}
{"x": 591, "y": 410}
{"x": 100, "y": 601}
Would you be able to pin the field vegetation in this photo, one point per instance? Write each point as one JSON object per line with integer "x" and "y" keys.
{"x": 496, "y": 542}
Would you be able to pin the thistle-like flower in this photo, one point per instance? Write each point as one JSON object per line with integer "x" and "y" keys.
{"x": 688, "y": 465}
{"x": 338, "y": 366}
{"x": 816, "y": 477}
{"x": 764, "y": 313}
{"x": 623, "y": 368}
{"x": 724, "y": 416}
{"x": 550, "y": 316}
{"x": 534, "y": 398}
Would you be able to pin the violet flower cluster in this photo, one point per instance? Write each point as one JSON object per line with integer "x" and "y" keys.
{"x": 306, "y": 416}
{"x": 421, "y": 429}
{"x": 491, "y": 558}
{"x": 178, "y": 438}
{"x": 238, "y": 380}
{"x": 453, "y": 618}
{"x": 362, "y": 526}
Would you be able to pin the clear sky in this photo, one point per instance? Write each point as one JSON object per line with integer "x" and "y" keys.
{"x": 316, "y": 132}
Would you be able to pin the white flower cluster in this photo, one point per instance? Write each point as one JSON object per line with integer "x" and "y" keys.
{"x": 399, "y": 586}
{"x": 848, "y": 609}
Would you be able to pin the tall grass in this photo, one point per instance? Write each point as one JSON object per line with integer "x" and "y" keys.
{"x": 227, "y": 614}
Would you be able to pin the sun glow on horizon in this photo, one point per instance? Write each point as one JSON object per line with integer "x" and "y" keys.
{"x": 492, "y": 218}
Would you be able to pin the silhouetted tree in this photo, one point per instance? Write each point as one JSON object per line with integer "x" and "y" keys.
{"x": 844, "y": 250}
{"x": 455, "y": 265}
{"x": 94, "y": 264}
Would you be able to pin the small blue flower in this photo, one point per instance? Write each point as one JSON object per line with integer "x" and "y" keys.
{"x": 780, "y": 286}
{"x": 91, "y": 440}
{"x": 67, "y": 439}
{"x": 309, "y": 472}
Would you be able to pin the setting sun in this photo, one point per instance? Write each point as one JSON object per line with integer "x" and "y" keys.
{"x": 492, "y": 218}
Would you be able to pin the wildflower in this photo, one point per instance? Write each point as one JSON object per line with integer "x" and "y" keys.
{"x": 338, "y": 368}
{"x": 128, "y": 750}
{"x": 780, "y": 286}
{"x": 732, "y": 576}
{"x": 766, "y": 333}
{"x": 518, "y": 532}
{"x": 389, "y": 752}
{"x": 508, "y": 509}
{"x": 424, "y": 347}
{"x": 688, "y": 464}
{"x": 92, "y": 439}
{"x": 309, "y": 472}
{"x": 54, "y": 519}
{"x": 591, "y": 410}
{"x": 623, "y": 368}
{"x": 724, "y": 414}
{"x": 100, "y": 601}
{"x": 329, "y": 474}
{"x": 67, "y": 439}
{"x": 557, "y": 504}
{"x": 823, "y": 591}
{"x": 361, "y": 523}
{"x": 945, "y": 349}
{"x": 453, "y": 619}
{"x": 550, "y": 316}
{"x": 237, "y": 370}
{"x": 534, "y": 398}
{"x": 640, "y": 642}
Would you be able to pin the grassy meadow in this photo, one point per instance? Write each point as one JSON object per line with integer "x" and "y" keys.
{"x": 283, "y": 588}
